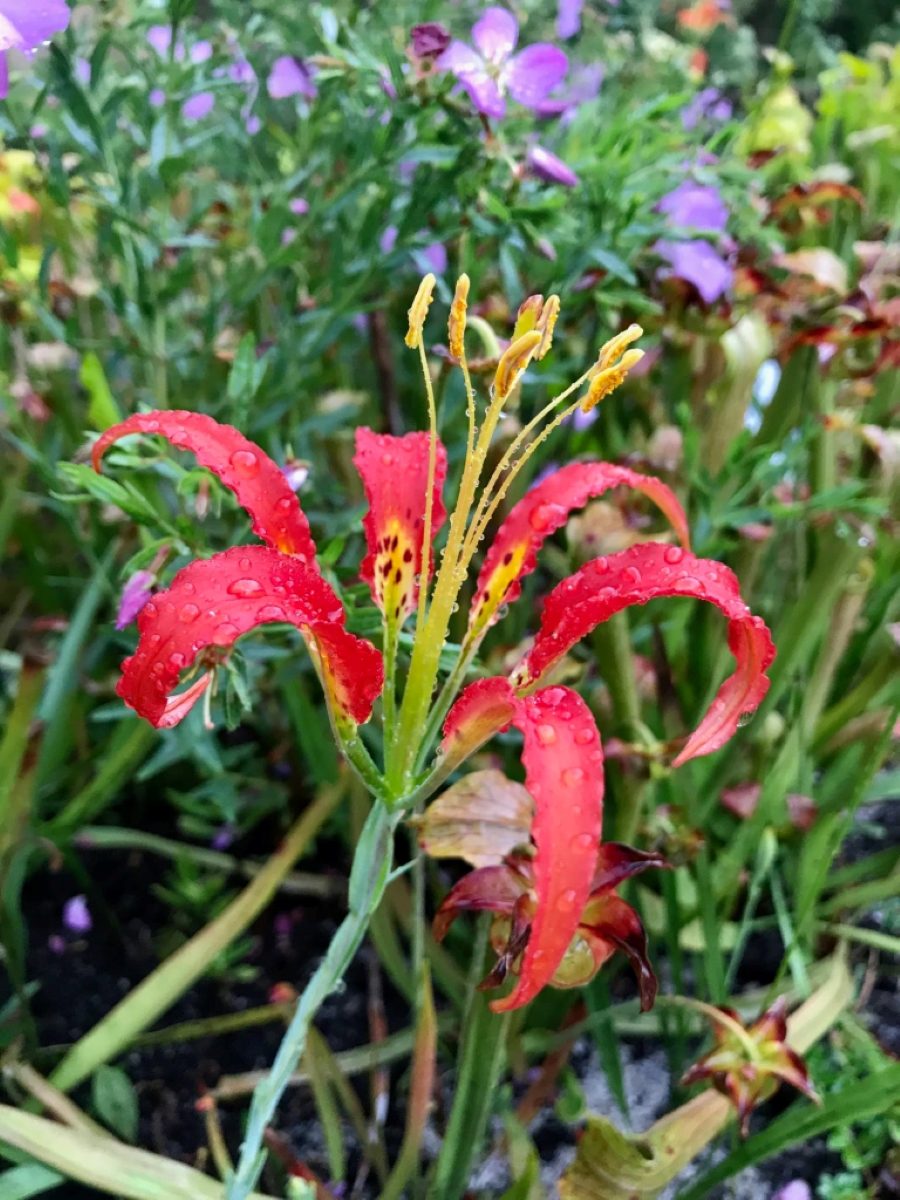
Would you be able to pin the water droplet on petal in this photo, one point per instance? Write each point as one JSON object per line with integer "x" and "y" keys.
{"x": 286, "y": 505}
{"x": 674, "y": 554}
{"x": 566, "y": 901}
{"x": 582, "y": 842}
{"x": 546, "y": 735}
{"x": 244, "y": 563}
{"x": 271, "y": 612}
{"x": 584, "y": 737}
{"x": 188, "y": 613}
{"x": 225, "y": 634}
{"x": 573, "y": 776}
{"x": 177, "y": 660}
{"x": 246, "y": 463}
{"x": 245, "y": 588}
{"x": 632, "y": 576}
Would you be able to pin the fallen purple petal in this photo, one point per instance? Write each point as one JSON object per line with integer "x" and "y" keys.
{"x": 77, "y": 915}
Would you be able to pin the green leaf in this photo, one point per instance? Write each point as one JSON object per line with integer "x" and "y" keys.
{"x": 859, "y": 1102}
{"x": 115, "y": 1101}
{"x": 30, "y": 1179}
{"x": 102, "y": 408}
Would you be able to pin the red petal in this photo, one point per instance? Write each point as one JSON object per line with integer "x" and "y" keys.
{"x": 213, "y": 602}
{"x": 607, "y": 585}
{"x": 257, "y": 481}
{"x": 616, "y": 863}
{"x": 543, "y": 510}
{"x": 615, "y": 923}
{"x": 488, "y": 889}
{"x": 564, "y": 773}
{"x": 394, "y": 472}
{"x": 484, "y": 708}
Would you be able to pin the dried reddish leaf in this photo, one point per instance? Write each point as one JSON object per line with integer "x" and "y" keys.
{"x": 563, "y": 763}
{"x": 482, "y": 818}
{"x": 256, "y": 480}
{"x": 617, "y": 862}
{"x": 213, "y": 602}
{"x": 607, "y": 585}
{"x": 543, "y": 510}
{"x": 394, "y": 471}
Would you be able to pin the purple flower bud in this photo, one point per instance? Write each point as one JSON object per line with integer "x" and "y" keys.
{"x": 201, "y": 52}
{"x": 299, "y": 206}
{"x": 77, "y": 915}
{"x": 547, "y": 166}
{"x": 429, "y": 39}
{"x": 157, "y": 98}
{"x": 198, "y": 107}
{"x": 135, "y": 594}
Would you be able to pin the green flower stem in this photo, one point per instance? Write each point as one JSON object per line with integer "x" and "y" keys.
{"x": 612, "y": 646}
{"x": 481, "y": 1060}
{"x": 371, "y": 868}
{"x": 142, "y": 1006}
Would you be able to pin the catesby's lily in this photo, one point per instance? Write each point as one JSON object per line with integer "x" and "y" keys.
{"x": 211, "y": 603}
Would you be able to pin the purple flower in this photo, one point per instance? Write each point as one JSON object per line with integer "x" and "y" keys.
{"x": 157, "y": 98}
{"x": 388, "y": 239}
{"x": 548, "y": 167}
{"x": 489, "y": 69}
{"x": 135, "y": 594}
{"x": 199, "y": 106}
{"x": 26, "y": 25}
{"x": 583, "y": 85}
{"x": 708, "y": 105}
{"x": 160, "y": 38}
{"x": 568, "y": 18}
{"x": 290, "y": 77}
{"x": 699, "y": 263}
{"x": 253, "y": 124}
{"x": 795, "y": 1190}
{"x": 240, "y": 71}
{"x": 435, "y": 256}
{"x": 695, "y": 206}
{"x": 77, "y": 915}
{"x": 82, "y": 71}
{"x": 201, "y": 52}
{"x": 298, "y": 206}
{"x": 584, "y": 420}
{"x": 296, "y": 473}
{"x": 429, "y": 40}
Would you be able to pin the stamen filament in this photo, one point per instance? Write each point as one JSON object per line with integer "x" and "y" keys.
{"x": 424, "y": 572}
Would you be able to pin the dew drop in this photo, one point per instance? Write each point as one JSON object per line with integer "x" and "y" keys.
{"x": 245, "y": 588}
{"x": 632, "y": 576}
{"x": 584, "y": 737}
{"x": 177, "y": 660}
{"x": 566, "y": 901}
{"x": 188, "y": 613}
{"x": 188, "y": 589}
{"x": 573, "y": 776}
{"x": 225, "y": 634}
{"x": 285, "y": 505}
{"x": 271, "y": 612}
{"x": 582, "y": 842}
{"x": 690, "y": 583}
{"x": 602, "y": 563}
{"x": 674, "y": 554}
{"x": 246, "y": 463}
{"x": 546, "y": 735}
{"x": 244, "y": 563}
{"x": 150, "y": 609}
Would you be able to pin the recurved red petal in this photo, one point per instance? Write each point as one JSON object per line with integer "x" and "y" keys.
{"x": 563, "y": 763}
{"x": 394, "y": 472}
{"x": 543, "y": 510}
{"x": 616, "y": 863}
{"x": 485, "y": 707}
{"x": 494, "y": 889}
{"x": 607, "y": 585}
{"x": 256, "y": 480}
{"x": 610, "y": 924}
{"x": 214, "y": 601}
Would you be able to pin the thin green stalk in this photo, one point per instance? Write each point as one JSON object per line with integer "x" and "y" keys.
{"x": 371, "y": 868}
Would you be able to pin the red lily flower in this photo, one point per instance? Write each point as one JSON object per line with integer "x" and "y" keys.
{"x": 747, "y": 1062}
{"x": 606, "y": 923}
{"x": 213, "y": 602}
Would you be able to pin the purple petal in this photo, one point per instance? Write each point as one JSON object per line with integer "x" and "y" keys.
{"x": 135, "y": 594}
{"x": 4, "y": 76}
{"x": 547, "y": 166}
{"x": 495, "y": 33}
{"x": 201, "y": 52}
{"x": 460, "y": 59}
{"x": 436, "y": 257}
{"x": 27, "y": 24}
{"x": 695, "y": 206}
{"x": 77, "y": 915}
{"x": 388, "y": 239}
{"x": 157, "y": 98}
{"x": 240, "y": 71}
{"x": 298, "y": 206}
{"x": 697, "y": 263}
{"x": 289, "y": 77}
{"x": 253, "y": 124}
{"x": 484, "y": 94}
{"x": 160, "y": 38}
{"x": 568, "y": 18}
{"x": 532, "y": 75}
{"x": 199, "y": 106}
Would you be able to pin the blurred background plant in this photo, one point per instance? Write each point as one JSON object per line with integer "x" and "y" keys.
{"x": 225, "y": 208}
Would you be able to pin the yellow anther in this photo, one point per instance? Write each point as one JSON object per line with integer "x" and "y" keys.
{"x": 608, "y": 379}
{"x": 456, "y": 327}
{"x": 528, "y": 315}
{"x": 611, "y": 351}
{"x": 513, "y": 362}
{"x": 418, "y": 310}
{"x": 546, "y": 324}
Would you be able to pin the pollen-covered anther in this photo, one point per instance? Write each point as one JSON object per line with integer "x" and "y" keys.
{"x": 418, "y": 310}
{"x": 456, "y": 327}
{"x": 608, "y": 379}
{"x": 513, "y": 362}
{"x": 528, "y": 315}
{"x": 546, "y": 324}
{"x": 612, "y": 350}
